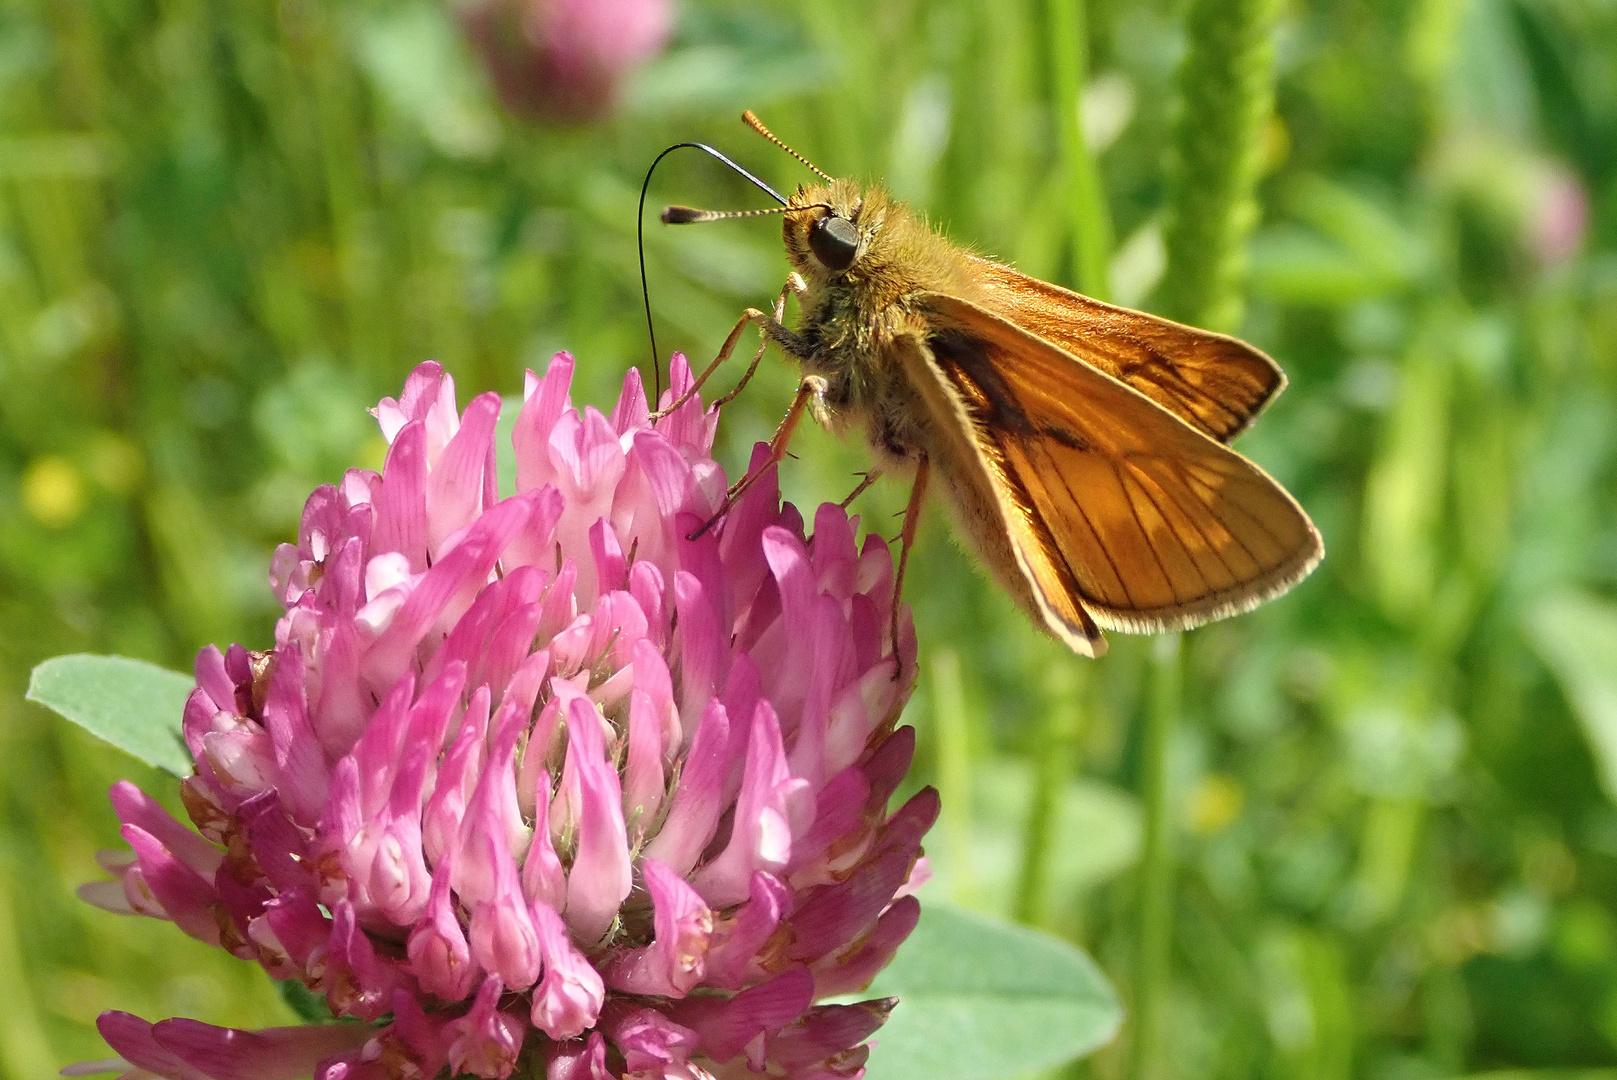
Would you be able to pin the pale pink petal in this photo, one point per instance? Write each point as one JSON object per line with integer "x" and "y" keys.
{"x": 438, "y": 949}
{"x": 676, "y": 959}
{"x": 568, "y": 999}
{"x": 487, "y": 1041}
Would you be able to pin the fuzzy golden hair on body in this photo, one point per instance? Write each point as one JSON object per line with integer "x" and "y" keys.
{"x": 1082, "y": 447}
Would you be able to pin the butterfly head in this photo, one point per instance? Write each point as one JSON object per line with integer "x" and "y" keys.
{"x": 831, "y": 228}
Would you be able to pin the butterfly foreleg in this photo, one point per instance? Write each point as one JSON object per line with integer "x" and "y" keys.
{"x": 810, "y": 388}
{"x": 912, "y": 524}
{"x": 869, "y": 478}
{"x": 794, "y": 284}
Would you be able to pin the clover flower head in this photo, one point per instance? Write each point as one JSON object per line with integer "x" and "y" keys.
{"x": 539, "y": 783}
{"x": 565, "y": 60}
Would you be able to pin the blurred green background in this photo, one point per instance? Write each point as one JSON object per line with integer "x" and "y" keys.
{"x": 1367, "y": 831}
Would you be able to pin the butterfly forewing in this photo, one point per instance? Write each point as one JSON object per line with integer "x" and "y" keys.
{"x": 1009, "y": 536}
{"x": 1213, "y": 382}
{"x": 1153, "y": 524}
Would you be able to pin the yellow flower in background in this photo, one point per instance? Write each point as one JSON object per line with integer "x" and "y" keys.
{"x": 53, "y": 491}
{"x": 1214, "y": 803}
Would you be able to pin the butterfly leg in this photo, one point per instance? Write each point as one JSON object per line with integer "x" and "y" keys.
{"x": 794, "y": 284}
{"x": 912, "y": 523}
{"x": 810, "y": 388}
{"x": 869, "y": 478}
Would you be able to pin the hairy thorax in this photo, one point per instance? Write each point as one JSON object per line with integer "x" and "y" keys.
{"x": 852, "y": 321}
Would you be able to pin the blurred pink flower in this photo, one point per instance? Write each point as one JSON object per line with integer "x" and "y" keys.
{"x": 564, "y": 60}
{"x": 1559, "y": 216}
{"x": 538, "y": 782}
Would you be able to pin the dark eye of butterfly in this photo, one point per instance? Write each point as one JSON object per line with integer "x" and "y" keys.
{"x": 835, "y": 242}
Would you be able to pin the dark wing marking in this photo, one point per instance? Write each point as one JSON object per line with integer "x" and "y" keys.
{"x": 1151, "y": 523}
{"x": 1011, "y": 540}
{"x": 1213, "y": 382}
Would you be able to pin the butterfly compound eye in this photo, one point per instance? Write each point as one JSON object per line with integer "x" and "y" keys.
{"x": 835, "y": 242}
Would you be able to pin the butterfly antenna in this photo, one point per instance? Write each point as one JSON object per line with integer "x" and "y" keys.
{"x": 690, "y": 215}
{"x": 752, "y": 121}
{"x": 640, "y": 238}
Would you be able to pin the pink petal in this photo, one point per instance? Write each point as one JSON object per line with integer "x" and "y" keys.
{"x": 702, "y": 644}
{"x": 726, "y": 1025}
{"x": 293, "y": 925}
{"x": 214, "y": 680}
{"x": 161, "y": 885}
{"x": 457, "y": 778}
{"x": 544, "y": 881}
{"x": 823, "y": 1034}
{"x": 833, "y": 915}
{"x": 839, "y": 812}
{"x": 342, "y": 710}
{"x": 439, "y": 954}
{"x": 577, "y": 1060}
{"x": 851, "y": 974}
{"x": 771, "y": 806}
{"x": 733, "y": 960}
{"x": 601, "y": 875}
{"x": 611, "y": 568}
{"x": 648, "y": 1040}
{"x": 358, "y": 982}
{"x": 401, "y": 506}
{"x": 493, "y": 812}
{"x": 688, "y": 427}
{"x": 455, "y": 485}
{"x": 446, "y": 590}
{"x": 694, "y": 814}
{"x": 504, "y": 939}
{"x": 132, "y": 1038}
{"x": 631, "y": 411}
{"x": 271, "y": 1054}
{"x": 486, "y": 1040}
{"x": 675, "y": 960}
{"x": 134, "y": 807}
{"x": 542, "y": 406}
{"x": 643, "y": 781}
{"x": 568, "y": 999}
{"x": 299, "y": 760}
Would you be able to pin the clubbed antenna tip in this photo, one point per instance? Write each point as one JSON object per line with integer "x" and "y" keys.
{"x": 684, "y": 215}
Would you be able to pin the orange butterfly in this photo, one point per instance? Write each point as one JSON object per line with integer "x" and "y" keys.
{"x": 1082, "y": 446}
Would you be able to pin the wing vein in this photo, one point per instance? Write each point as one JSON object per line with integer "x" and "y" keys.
{"x": 1236, "y": 507}
{"x": 1145, "y": 534}
{"x": 1194, "y": 524}
{"x": 1096, "y": 533}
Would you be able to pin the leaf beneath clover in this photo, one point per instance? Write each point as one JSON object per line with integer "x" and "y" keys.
{"x": 133, "y": 705}
{"x": 1576, "y": 635}
{"x": 981, "y": 999}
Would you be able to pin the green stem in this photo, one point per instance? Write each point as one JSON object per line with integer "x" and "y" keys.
{"x": 1227, "y": 88}
{"x": 1156, "y": 862}
{"x": 954, "y": 771}
{"x": 25, "y": 1049}
{"x": 1058, "y": 746}
{"x": 1090, "y": 219}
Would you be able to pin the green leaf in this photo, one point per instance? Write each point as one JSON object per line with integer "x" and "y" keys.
{"x": 1577, "y": 637}
{"x": 981, "y": 999}
{"x": 310, "y": 1006}
{"x": 133, "y": 705}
